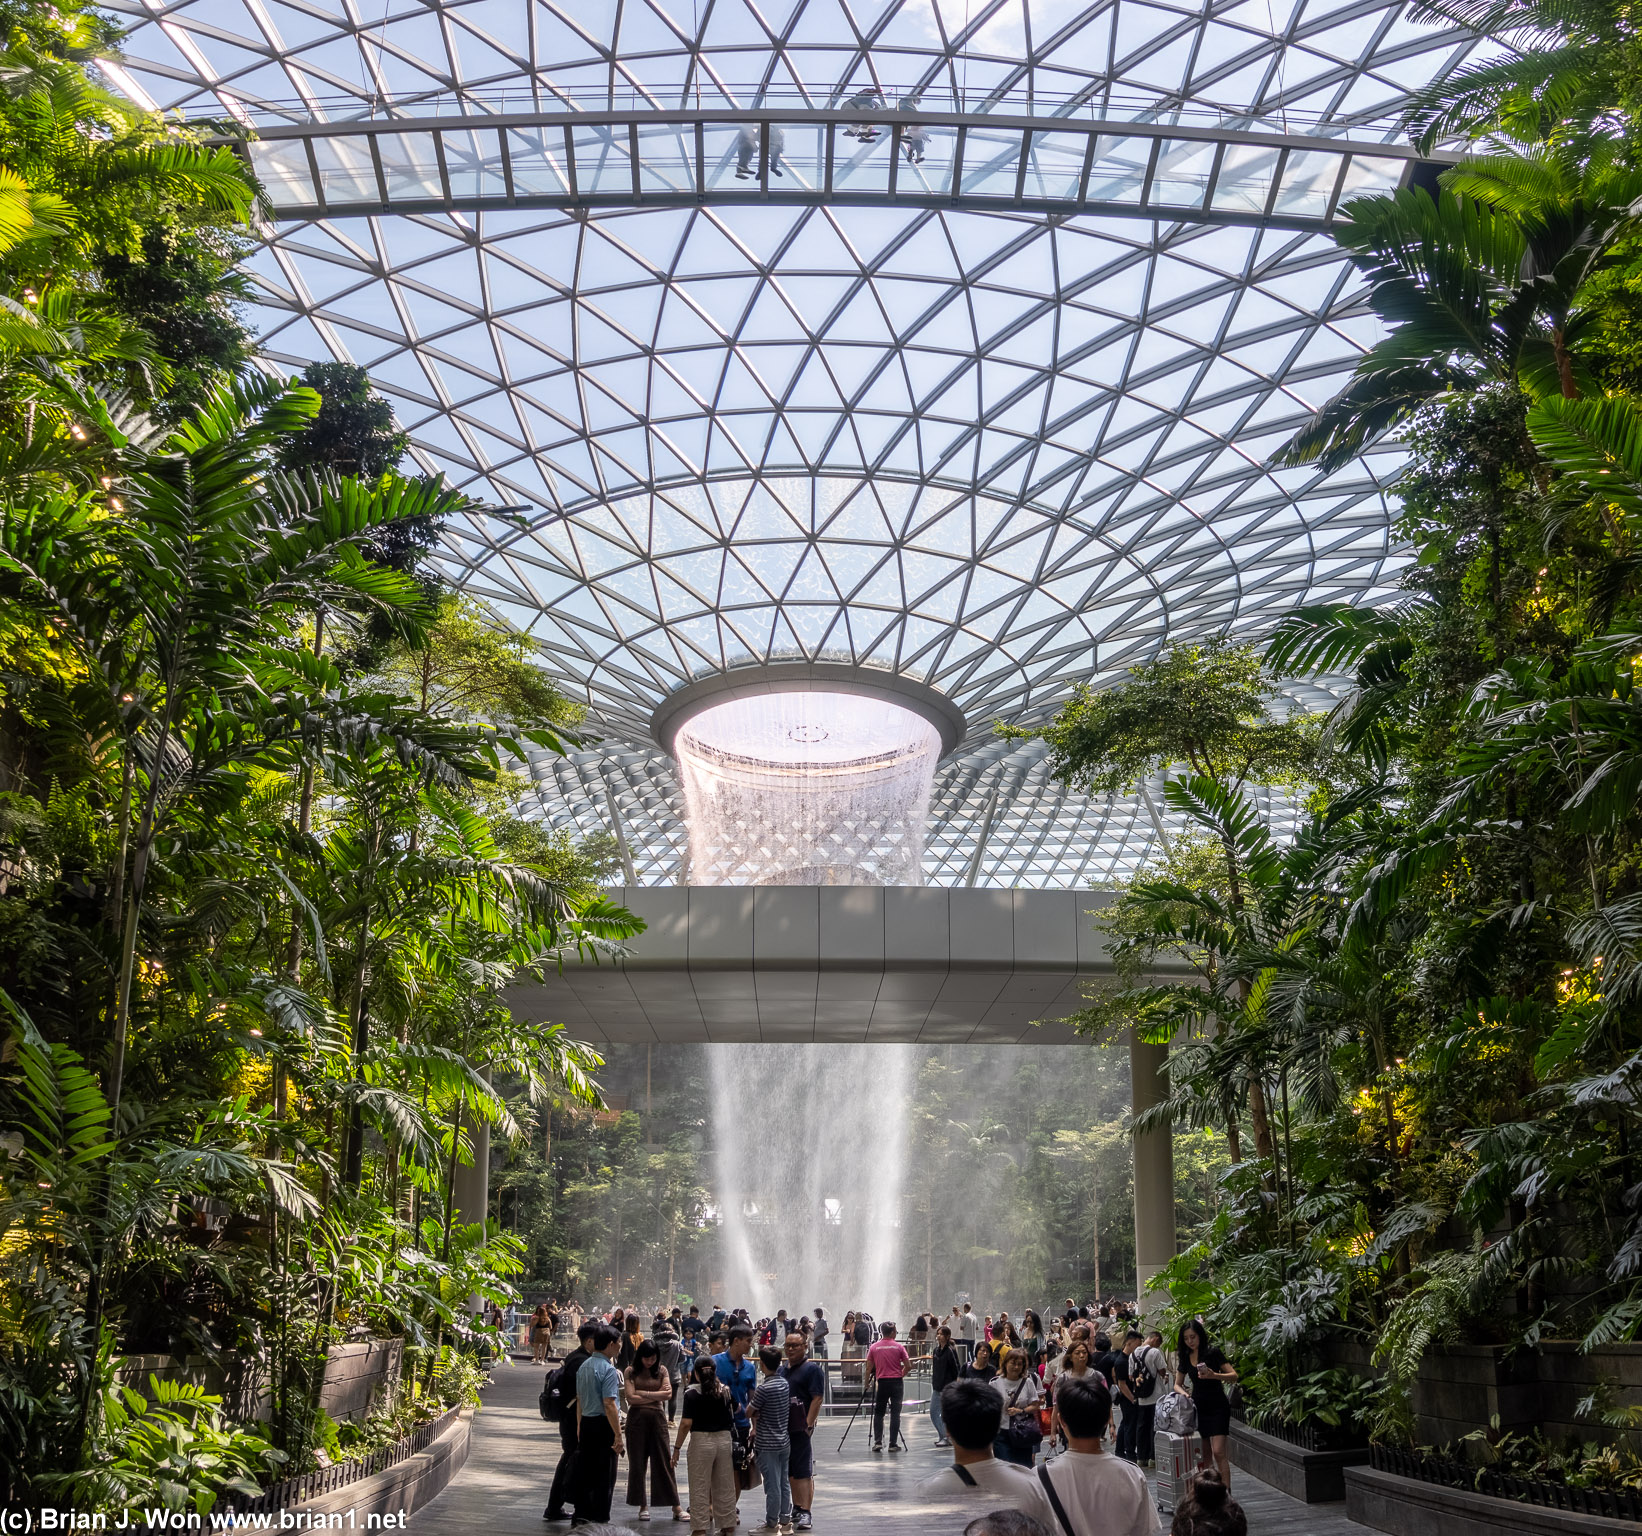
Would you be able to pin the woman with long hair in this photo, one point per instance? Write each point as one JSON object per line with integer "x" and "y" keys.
{"x": 705, "y": 1421}
{"x": 649, "y": 1391}
{"x": 1203, "y": 1371}
{"x": 1078, "y": 1363}
{"x": 944, "y": 1369}
{"x": 1033, "y": 1342}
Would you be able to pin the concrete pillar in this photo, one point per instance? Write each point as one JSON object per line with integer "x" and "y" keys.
{"x": 1154, "y": 1166}
{"x": 470, "y": 1192}
{"x": 470, "y": 1189}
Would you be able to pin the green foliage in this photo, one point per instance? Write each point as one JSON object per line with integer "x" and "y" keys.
{"x": 171, "y": 1450}
{"x": 1208, "y": 706}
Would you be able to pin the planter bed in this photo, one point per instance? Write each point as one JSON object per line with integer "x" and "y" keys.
{"x": 1407, "y": 1494}
{"x": 1313, "y": 1477}
{"x": 401, "y": 1476}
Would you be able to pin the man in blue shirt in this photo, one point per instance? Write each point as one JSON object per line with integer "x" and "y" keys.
{"x": 737, "y": 1372}
{"x": 690, "y": 1327}
{"x": 598, "y": 1394}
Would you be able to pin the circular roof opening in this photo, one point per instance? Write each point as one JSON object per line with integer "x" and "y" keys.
{"x": 804, "y": 733}
{"x": 806, "y": 788}
{"x": 831, "y": 729}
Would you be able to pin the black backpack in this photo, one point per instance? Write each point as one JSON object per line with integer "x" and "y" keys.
{"x": 558, "y": 1394}
{"x": 547, "y": 1403}
{"x": 1140, "y": 1375}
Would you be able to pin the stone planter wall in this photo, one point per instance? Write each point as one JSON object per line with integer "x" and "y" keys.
{"x": 1460, "y": 1390}
{"x": 1404, "y": 1507}
{"x": 359, "y": 1378}
{"x": 1313, "y": 1477}
{"x": 244, "y": 1396}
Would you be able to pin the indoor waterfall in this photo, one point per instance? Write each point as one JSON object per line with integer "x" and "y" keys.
{"x": 811, "y": 1160}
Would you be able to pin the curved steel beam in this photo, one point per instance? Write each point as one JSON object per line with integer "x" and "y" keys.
{"x": 1182, "y": 172}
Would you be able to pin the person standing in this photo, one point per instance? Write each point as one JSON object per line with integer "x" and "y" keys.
{"x": 972, "y": 1414}
{"x": 887, "y": 1363}
{"x": 807, "y": 1382}
{"x": 569, "y": 1410}
{"x": 598, "y": 1435}
{"x": 818, "y": 1334}
{"x": 1128, "y": 1404}
{"x": 632, "y": 1337}
{"x": 981, "y": 1367}
{"x": 943, "y": 1371}
{"x": 706, "y": 1424}
{"x": 649, "y": 1391}
{"x": 1202, "y": 1370}
{"x": 740, "y": 1376}
{"x": 541, "y": 1333}
{"x": 1033, "y": 1342}
{"x": 1074, "y": 1366}
{"x": 1093, "y": 1493}
{"x": 1021, "y": 1391}
{"x": 1149, "y": 1376}
{"x": 968, "y": 1334}
{"x": 671, "y": 1352}
{"x": 690, "y": 1326}
{"x": 770, "y": 1412}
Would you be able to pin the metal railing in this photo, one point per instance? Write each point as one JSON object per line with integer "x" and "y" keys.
{"x": 1094, "y": 105}
{"x": 298, "y": 1490}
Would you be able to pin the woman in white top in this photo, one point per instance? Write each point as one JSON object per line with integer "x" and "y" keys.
{"x": 1076, "y": 1365}
{"x": 1021, "y": 1392}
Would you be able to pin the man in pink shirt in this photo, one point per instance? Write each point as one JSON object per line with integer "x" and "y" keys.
{"x": 887, "y": 1363}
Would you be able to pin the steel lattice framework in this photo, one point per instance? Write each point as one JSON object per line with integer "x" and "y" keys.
{"x": 999, "y": 450}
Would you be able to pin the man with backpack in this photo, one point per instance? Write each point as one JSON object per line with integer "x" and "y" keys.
{"x": 1126, "y": 1399}
{"x": 558, "y": 1406}
{"x": 1149, "y": 1377}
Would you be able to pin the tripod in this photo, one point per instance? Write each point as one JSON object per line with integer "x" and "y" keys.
{"x": 901, "y": 1434}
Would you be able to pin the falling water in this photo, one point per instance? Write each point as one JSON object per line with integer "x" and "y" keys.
{"x": 811, "y": 1159}
{"x": 809, "y": 788}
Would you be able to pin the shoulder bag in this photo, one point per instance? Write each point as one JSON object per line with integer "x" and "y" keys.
{"x": 1054, "y": 1501}
{"x": 1022, "y": 1432}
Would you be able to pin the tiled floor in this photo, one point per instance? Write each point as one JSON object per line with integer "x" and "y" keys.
{"x": 502, "y": 1489}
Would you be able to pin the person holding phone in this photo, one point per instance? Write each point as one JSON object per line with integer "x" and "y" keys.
{"x": 1203, "y": 1371}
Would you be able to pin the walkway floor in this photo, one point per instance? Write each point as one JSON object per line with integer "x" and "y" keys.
{"x": 502, "y": 1489}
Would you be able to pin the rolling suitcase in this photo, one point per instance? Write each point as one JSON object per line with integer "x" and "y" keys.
{"x": 1176, "y": 1458}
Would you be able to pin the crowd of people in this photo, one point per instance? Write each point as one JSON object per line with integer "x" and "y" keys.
{"x": 1053, "y": 1423}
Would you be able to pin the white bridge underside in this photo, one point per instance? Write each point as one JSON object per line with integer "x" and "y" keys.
{"x": 836, "y": 963}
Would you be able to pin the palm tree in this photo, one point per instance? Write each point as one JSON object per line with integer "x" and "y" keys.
{"x": 1480, "y": 284}
{"x": 1569, "y": 64}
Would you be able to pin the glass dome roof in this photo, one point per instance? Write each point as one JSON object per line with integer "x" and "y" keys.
{"x": 1000, "y": 452}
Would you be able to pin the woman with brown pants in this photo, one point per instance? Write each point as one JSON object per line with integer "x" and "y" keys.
{"x": 705, "y": 1421}
{"x": 649, "y": 1390}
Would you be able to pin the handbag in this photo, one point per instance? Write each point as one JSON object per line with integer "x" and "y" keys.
{"x": 1176, "y": 1414}
{"x": 1021, "y": 1432}
{"x": 742, "y": 1457}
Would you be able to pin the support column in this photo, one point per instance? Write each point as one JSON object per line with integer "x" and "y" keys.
{"x": 1154, "y": 1165}
{"x": 470, "y": 1189}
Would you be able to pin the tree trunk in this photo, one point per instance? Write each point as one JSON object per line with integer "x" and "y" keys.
{"x": 1260, "y": 1119}
{"x": 1094, "y": 1200}
{"x": 353, "y": 1161}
